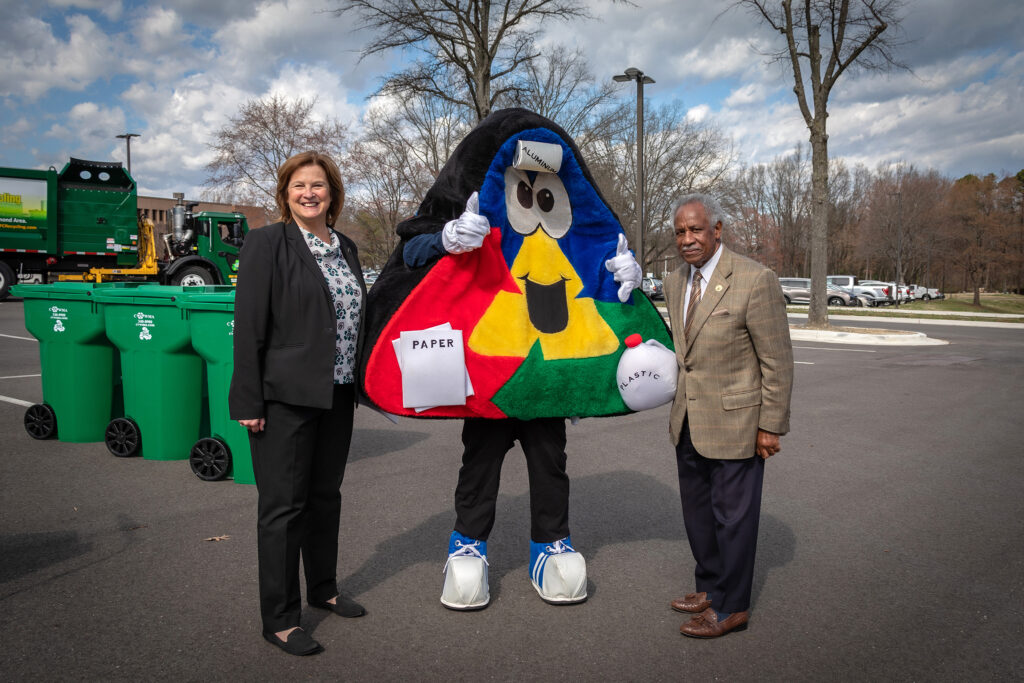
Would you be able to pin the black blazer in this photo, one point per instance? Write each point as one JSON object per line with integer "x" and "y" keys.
{"x": 285, "y": 324}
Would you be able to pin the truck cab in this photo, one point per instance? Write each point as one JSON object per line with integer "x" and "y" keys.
{"x": 204, "y": 250}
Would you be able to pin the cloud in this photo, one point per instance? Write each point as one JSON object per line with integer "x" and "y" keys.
{"x": 111, "y": 9}
{"x": 38, "y": 61}
{"x": 89, "y": 128}
{"x": 751, "y": 93}
{"x": 13, "y": 135}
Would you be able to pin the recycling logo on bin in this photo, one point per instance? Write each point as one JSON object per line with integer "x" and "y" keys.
{"x": 145, "y": 321}
{"x": 58, "y": 315}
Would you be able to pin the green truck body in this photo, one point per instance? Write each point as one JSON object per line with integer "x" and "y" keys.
{"x": 86, "y": 217}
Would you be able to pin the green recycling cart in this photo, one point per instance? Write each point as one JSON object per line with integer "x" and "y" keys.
{"x": 80, "y": 367}
{"x": 226, "y": 450}
{"x": 164, "y": 410}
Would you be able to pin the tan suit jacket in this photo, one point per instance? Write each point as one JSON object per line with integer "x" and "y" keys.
{"x": 736, "y": 369}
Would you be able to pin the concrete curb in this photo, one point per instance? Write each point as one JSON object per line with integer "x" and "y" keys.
{"x": 917, "y": 321}
{"x": 833, "y": 337}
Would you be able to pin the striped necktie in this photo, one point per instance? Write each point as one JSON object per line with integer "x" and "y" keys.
{"x": 691, "y": 307}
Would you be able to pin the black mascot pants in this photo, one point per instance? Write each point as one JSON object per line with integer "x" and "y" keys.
{"x": 299, "y": 462}
{"x": 721, "y": 512}
{"x": 486, "y": 442}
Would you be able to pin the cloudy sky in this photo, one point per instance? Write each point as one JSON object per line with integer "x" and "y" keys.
{"x": 75, "y": 73}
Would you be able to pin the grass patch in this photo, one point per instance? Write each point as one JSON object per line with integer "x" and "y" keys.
{"x": 959, "y": 306}
{"x": 964, "y": 303}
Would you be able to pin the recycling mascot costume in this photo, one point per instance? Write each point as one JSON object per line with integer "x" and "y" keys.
{"x": 515, "y": 255}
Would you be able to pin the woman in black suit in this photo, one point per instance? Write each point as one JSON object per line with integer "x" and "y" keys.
{"x": 298, "y": 306}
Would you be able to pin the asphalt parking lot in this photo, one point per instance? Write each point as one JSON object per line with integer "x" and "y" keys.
{"x": 891, "y": 544}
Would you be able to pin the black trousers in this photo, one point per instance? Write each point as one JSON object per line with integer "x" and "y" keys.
{"x": 486, "y": 442}
{"x": 299, "y": 463}
{"x": 721, "y": 511}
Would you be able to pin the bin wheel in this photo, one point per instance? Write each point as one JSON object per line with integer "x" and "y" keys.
{"x": 123, "y": 438}
{"x": 41, "y": 421}
{"x": 210, "y": 459}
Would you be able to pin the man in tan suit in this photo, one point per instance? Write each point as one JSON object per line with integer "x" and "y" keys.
{"x": 735, "y": 359}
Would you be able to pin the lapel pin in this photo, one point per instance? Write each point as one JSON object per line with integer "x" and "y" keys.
{"x": 718, "y": 288}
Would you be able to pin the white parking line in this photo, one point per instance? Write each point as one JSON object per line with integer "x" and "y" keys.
{"x": 19, "y": 376}
{"x": 802, "y": 362}
{"x": 16, "y": 401}
{"x": 11, "y": 336}
{"x": 822, "y": 348}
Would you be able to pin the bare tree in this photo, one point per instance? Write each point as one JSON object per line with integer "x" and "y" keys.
{"x": 753, "y": 229}
{"x": 848, "y": 205}
{"x": 681, "y": 155}
{"x": 255, "y": 142}
{"x": 823, "y": 40}
{"x": 560, "y": 86}
{"x": 477, "y": 44}
{"x": 394, "y": 162}
{"x": 903, "y": 209}
{"x": 972, "y": 232}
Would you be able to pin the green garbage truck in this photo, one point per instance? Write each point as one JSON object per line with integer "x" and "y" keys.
{"x": 82, "y": 224}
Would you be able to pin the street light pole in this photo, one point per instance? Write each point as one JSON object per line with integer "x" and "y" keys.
{"x": 127, "y": 137}
{"x": 634, "y": 74}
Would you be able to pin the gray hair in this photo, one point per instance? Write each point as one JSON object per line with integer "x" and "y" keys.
{"x": 711, "y": 207}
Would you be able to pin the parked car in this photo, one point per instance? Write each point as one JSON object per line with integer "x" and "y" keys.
{"x": 869, "y": 300}
{"x": 837, "y": 296}
{"x": 925, "y": 293}
{"x": 653, "y": 288}
{"x": 797, "y": 290}
{"x": 872, "y": 291}
{"x": 882, "y": 290}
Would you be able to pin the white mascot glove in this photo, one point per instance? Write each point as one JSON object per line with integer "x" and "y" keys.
{"x": 626, "y": 269}
{"x": 467, "y": 232}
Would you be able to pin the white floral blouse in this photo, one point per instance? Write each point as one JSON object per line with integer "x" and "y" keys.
{"x": 344, "y": 288}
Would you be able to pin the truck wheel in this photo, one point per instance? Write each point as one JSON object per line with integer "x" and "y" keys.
{"x": 210, "y": 459}
{"x": 7, "y": 278}
{"x": 926, "y": 297}
{"x": 40, "y": 421}
{"x": 192, "y": 276}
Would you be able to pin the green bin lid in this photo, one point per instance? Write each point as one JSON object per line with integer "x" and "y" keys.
{"x": 68, "y": 290}
{"x": 209, "y": 301}
{"x": 153, "y": 295}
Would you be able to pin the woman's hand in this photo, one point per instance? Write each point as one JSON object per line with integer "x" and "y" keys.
{"x": 254, "y": 425}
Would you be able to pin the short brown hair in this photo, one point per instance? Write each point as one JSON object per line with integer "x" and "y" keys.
{"x": 288, "y": 168}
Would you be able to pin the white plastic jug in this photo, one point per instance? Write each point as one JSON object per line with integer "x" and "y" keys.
{"x": 647, "y": 373}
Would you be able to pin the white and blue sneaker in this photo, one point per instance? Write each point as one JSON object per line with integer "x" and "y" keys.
{"x": 465, "y": 574}
{"x": 558, "y": 572}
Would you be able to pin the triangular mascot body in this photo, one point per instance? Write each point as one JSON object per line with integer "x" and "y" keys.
{"x": 515, "y": 248}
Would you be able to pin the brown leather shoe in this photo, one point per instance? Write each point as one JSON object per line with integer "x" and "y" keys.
{"x": 691, "y": 602}
{"x": 706, "y": 624}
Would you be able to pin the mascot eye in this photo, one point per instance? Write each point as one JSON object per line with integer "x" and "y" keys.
{"x": 519, "y": 204}
{"x": 524, "y": 193}
{"x": 545, "y": 200}
{"x": 553, "y": 201}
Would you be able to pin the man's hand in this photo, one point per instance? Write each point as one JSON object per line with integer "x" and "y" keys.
{"x": 254, "y": 425}
{"x": 767, "y": 444}
{"x": 467, "y": 232}
{"x": 626, "y": 269}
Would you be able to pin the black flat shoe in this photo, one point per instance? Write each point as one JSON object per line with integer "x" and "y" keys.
{"x": 343, "y": 607}
{"x": 299, "y": 643}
